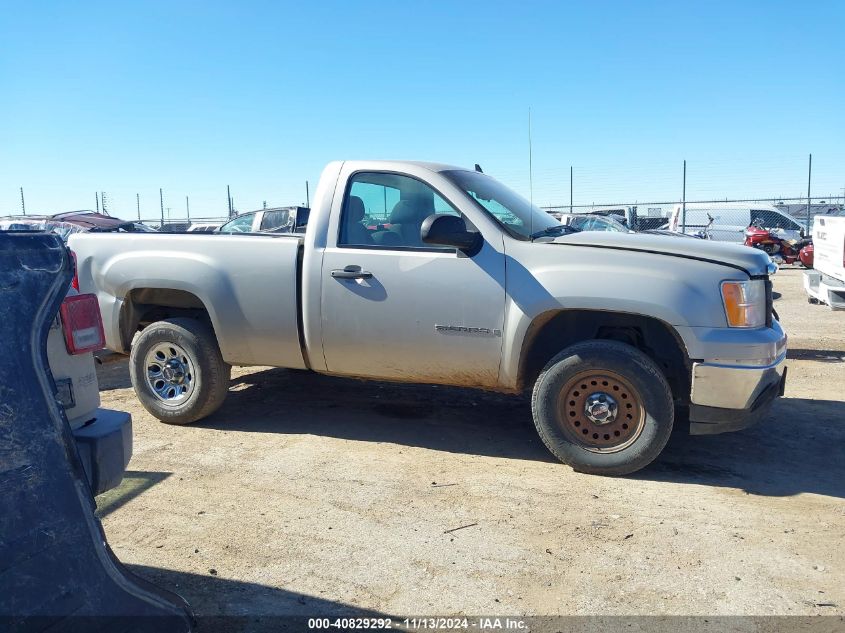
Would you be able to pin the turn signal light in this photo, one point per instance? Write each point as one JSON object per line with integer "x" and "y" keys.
{"x": 745, "y": 303}
{"x": 82, "y": 324}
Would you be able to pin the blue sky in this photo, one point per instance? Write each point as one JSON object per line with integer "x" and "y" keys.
{"x": 194, "y": 96}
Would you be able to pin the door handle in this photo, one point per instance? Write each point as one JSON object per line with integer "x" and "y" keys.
{"x": 351, "y": 272}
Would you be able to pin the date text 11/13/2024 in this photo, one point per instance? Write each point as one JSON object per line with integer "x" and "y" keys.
{"x": 420, "y": 624}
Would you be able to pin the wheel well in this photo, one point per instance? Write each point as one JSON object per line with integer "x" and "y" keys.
{"x": 144, "y": 306}
{"x": 553, "y": 331}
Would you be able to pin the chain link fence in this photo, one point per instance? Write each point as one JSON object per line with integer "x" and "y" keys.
{"x": 724, "y": 220}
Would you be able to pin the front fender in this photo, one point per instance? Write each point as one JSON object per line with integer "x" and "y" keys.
{"x": 544, "y": 278}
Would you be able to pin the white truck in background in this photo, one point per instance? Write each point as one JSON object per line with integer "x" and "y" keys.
{"x": 825, "y": 283}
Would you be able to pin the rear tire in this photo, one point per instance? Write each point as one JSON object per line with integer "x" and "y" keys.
{"x": 177, "y": 370}
{"x": 603, "y": 407}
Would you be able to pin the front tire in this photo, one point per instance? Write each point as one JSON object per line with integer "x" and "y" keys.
{"x": 603, "y": 407}
{"x": 177, "y": 370}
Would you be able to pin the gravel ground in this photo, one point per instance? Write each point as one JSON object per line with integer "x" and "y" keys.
{"x": 306, "y": 495}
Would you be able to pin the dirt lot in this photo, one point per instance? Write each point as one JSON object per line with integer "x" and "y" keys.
{"x": 306, "y": 495}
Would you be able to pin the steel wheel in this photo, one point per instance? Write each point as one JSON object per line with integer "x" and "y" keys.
{"x": 170, "y": 373}
{"x": 601, "y": 411}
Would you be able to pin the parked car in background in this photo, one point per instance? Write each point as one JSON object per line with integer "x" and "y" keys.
{"x": 731, "y": 219}
{"x": 174, "y": 227}
{"x": 624, "y": 214}
{"x": 64, "y": 224}
{"x": 470, "y": 286}
{"x": 275, "y": 220}
{"x": 23, "y": 222}
{"x": 93, "y": 221}
{"x": 594, "y": 223}
{"x": 204, "y": 227}
{"x": 103, "y": 436}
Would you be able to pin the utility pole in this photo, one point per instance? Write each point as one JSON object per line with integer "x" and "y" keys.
{"x": 138, "y": 204}
{"x": 530, "y": 165}
{"x": 161, "y": 202}
{"x": 229, "y": 200}
{"x": 308, "y": 196}
{"x": 570, "y": 189}
{"x": 23, "y": 204}
{"x": 684, "y": 201}
{"x": 97, "y": 196}
{"x": 188, "y": 208}
{"x": 809, "y": 180}
{"x": 103, "y": 201}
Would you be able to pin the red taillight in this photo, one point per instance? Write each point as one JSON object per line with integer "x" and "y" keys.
{"x": 82, "y": 324}
{"x": 75, "y": 281}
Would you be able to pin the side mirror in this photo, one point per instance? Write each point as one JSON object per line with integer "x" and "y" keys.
{"x": 448, "y": 230}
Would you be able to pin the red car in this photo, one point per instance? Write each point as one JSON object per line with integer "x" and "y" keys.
{"x": 806, "y": 255}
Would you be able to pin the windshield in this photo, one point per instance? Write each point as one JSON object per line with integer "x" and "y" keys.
{"x": 241, "y": 224}
{"x": 598, "y": 223}
{"x": 519, "y": 218}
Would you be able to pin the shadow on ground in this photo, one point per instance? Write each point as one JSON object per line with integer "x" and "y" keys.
{"x": 818, "y": 355}
{"x": 113, "y": 372}
{"x": 798, "y": 448}
{"x": 440, "y": 418}
{"x": 230, "y": 605}
{"x": 134, "y": 483}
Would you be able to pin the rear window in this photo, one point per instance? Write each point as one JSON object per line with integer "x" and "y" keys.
{"x": 275, "y": 220}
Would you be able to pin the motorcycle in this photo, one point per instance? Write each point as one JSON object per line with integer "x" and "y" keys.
{"x": 780, "y": 250}
{"x": 705, "y": 233}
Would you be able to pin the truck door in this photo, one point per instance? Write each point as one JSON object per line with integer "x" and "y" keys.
{"x": 395, "y": 308}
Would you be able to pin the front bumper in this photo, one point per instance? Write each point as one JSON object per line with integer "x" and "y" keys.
{"x": 732, "y": 397}
{"x": 706, "y": 420}
{"x": 105, "y": 447}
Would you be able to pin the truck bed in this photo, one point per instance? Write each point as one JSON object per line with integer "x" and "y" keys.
{"x": 247, "y": 283}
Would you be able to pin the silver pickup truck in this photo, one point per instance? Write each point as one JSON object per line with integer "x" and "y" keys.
{"x": 429, "y": 273}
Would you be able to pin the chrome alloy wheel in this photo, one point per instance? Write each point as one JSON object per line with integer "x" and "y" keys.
{"x": 170, "y": 373}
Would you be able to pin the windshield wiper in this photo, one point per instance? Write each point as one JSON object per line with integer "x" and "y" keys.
{"x": 552, "y": 230}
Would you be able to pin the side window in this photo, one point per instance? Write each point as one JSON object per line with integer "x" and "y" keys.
{"x": 383, "y": 210}
{"x": 788, "y": 224}
{"x": 591, "y": 224}
{"x": 275, "y": 220}
{"x": 579, "y": 223}
{"x": 769, "y": 219}
{"x": 241, "y": 224}
{"x": 607, "y": 225}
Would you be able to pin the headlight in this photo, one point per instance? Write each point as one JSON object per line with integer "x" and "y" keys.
{"x": 745, "y": 303}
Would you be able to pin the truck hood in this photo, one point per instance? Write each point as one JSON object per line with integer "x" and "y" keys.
{"x": 751, "y": 260}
